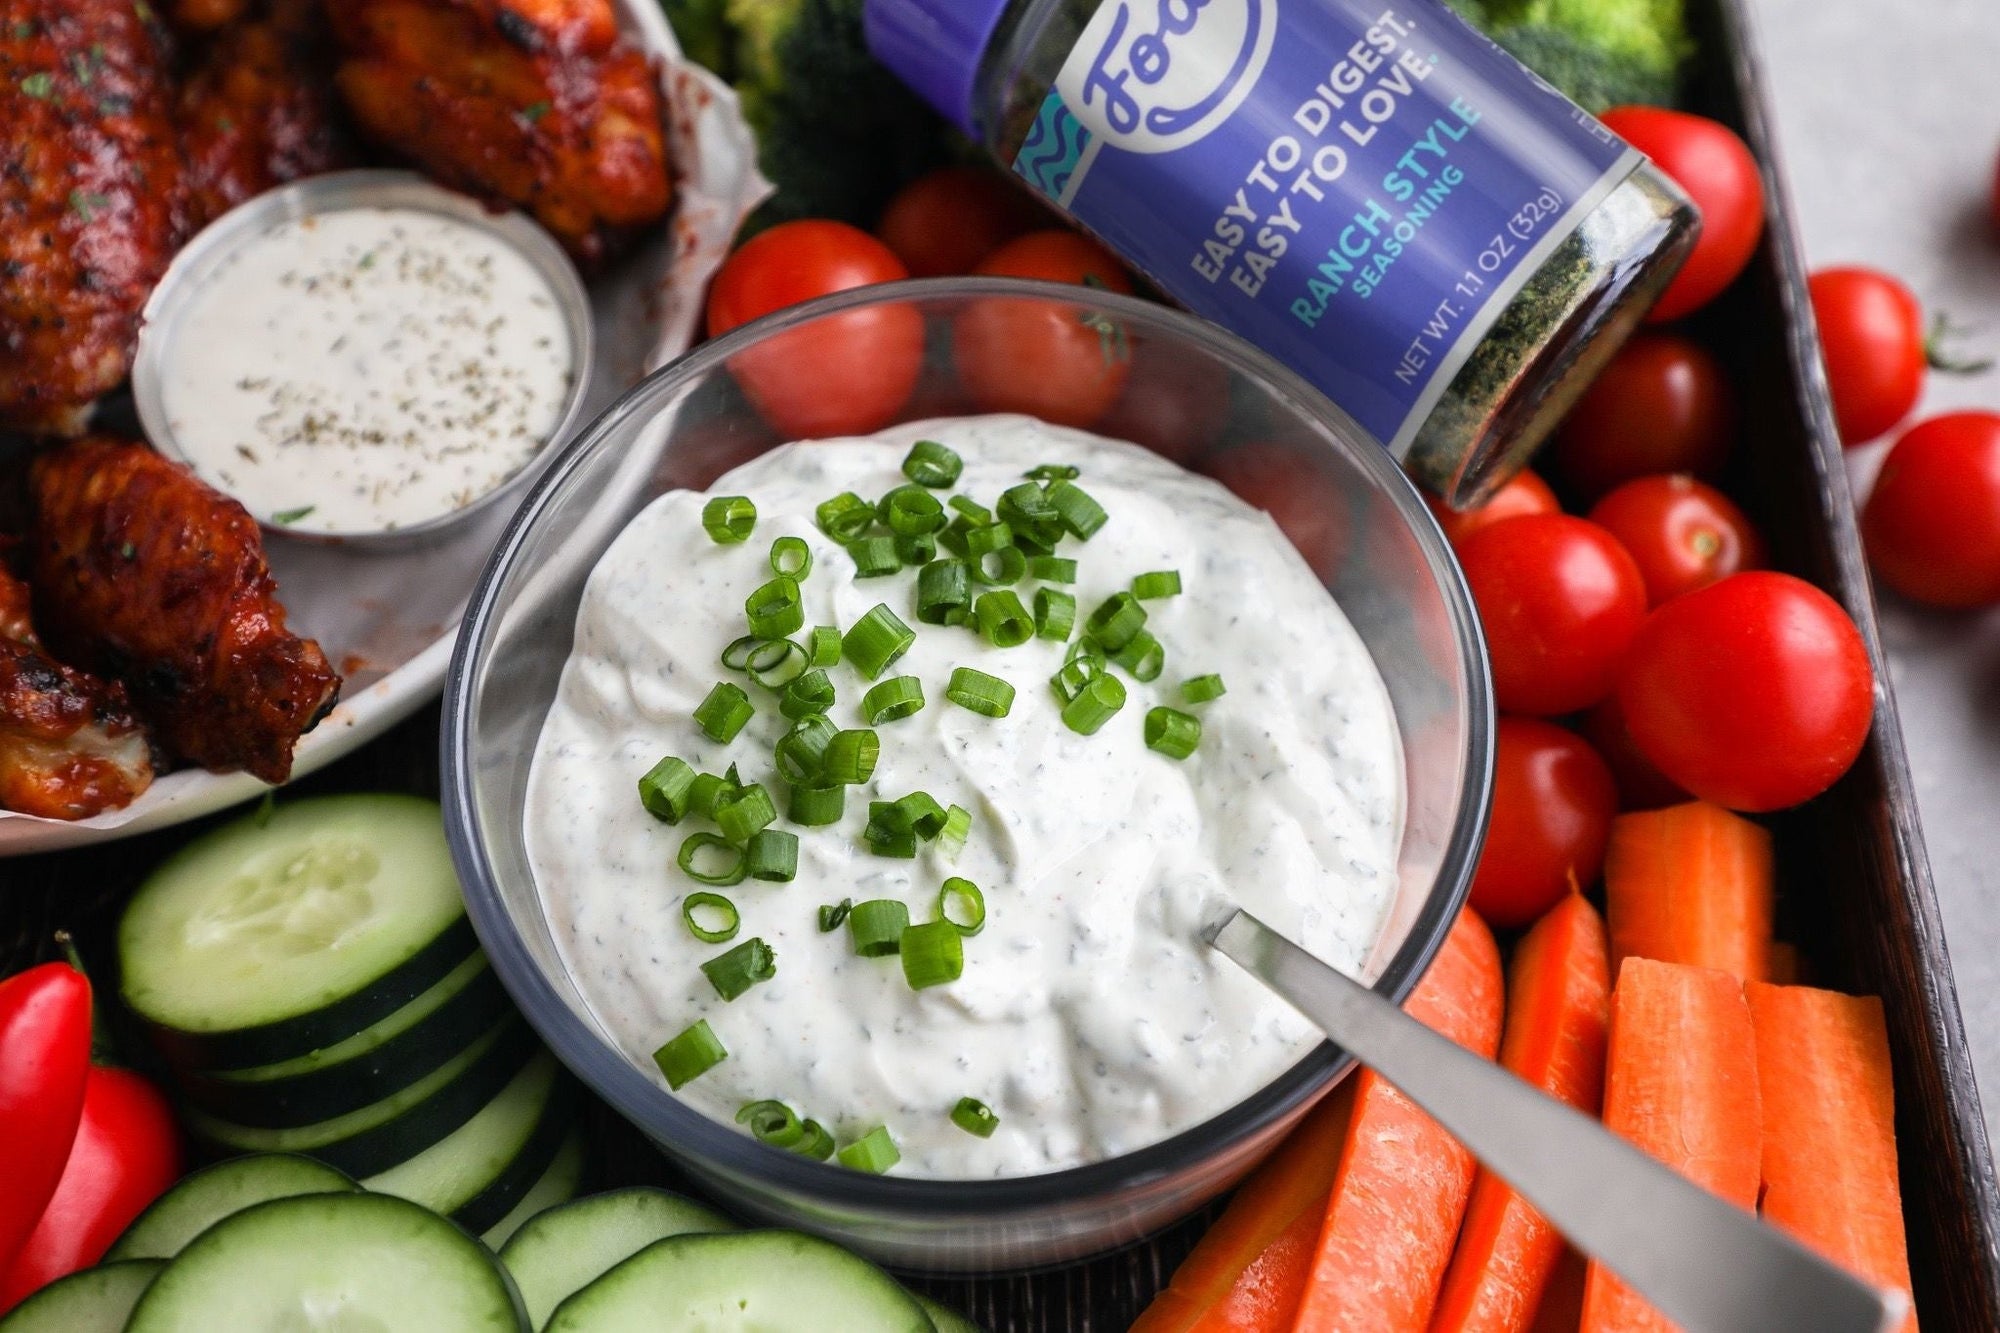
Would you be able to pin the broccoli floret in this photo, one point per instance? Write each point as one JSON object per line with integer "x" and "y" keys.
{"x": 1593, "y": 78}
{"x": 1602, "y": 53}
{"x": 1651, "y": 32}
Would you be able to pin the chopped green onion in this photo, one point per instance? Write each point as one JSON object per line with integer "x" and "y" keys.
{"x": 933, "y": 954}
{"x": 724, "y": 712}
{"x": 729, "y": 519}
{"x": 920, "y": 813}
{"x": 665, "y": 789}
{"x": 1094, "y": 704}
{"x": 710, "y": 902}
{"x": 952, "y": 538}
{"x": 811, "y": 692}
{"x": 895, "y": 698}
{"x": 1158, "y": 583}
{"x": 987, "y": 538}
{"x": 909, "y": 511}
{"x": 875, "y": 1152}
{"x": 801, "y": 752}
{"x": 776, "y": 663}
{"x": 817, "y": 1143}
{"x": 957, "y": 827}
{"x": 877, "y": 639}
{"x": 696, "y": 843}
{"x": 1081, "y": 515}
{"x": 737, "y": 655}
{"x": 1201, "y": 689}
{"x": 892, "y": 838}
{"x": 988, "y": 696}
{"x": 817, "y": 807}
{"x": 736, "y": 971}
{"x": 1143, "y": 657}
{"x": 1052, "y": 569}
{"x": 874, "y": 557}
{"x": 742, "y": 816}
{"x": 944, "y": 592}
{"x": 1074, "y": 676}
{"x": 1115, "y": 622}
{"x": 1027, "y": 510}
{"x": 823, "y": 646}
{"x": 970, "y": 509}
{"x": 1172, "y": 732}
{"x": 690, "y": 1055}
{"x": 931, "y": 464}
{"x": 773, "y": 856}
{"x": 1053, "y": 472}
{"x": 707, "y": 790}
{"x": 775, "y": 610}
{"x": 850, "y": 757}
{"x": 876, "y": 926}
{"x": 844, "y": 517}
{"x": 972, "y": 917}
{"x": 916, "y": 549}
{"x": 791, "y": 557}
{"x": 831, "y": 918}
{"x": 1002, "y": 619}
{"x": 1001, "y": 568}
{"x": 773, "y": 1123}
{"x": 1055, "y": 614}
{"x": 971, "y": 1115}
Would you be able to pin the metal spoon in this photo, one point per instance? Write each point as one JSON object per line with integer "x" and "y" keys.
{"x": 1709, "y": 1266}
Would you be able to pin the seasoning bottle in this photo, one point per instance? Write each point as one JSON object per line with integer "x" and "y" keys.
{"x": 1369, "y": 190}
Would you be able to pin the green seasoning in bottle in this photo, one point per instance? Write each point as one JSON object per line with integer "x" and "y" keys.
{"x": 1377, "y": 196}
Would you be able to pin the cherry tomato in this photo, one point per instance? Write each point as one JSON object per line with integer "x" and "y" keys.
{"x": 1176, "y": 401}
{"x": 1640, "y": 785}
{"x": 1553, "y": 799}
{"x": 1664, "y": 404}
{"x": 946, "y": 222}
{"x": 1754, "y": 693}
{"x": 1045, "y": 358}
{"x": 1871, "y": 332}
{"x": 1525, "y": 494}
{"x": 1707, "y": 160}
{"x": 842, "y": 375}
{"x": 1682, "y": 533}
{"x": 1932, "y": 523}
{"x": 1284, "y": 482}
{"x": 1560, "y": 601}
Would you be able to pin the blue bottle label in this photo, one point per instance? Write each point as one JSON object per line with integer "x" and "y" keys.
{"x": 1358, "y": 190}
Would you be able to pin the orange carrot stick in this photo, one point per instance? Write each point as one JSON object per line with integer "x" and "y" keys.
{"x": 1558, "y": 1007}
{"x": 1788, "y": 966}
{"x": 1400, "y": 1195}
{"x": 1829, "y": 1166}
{"x": 1690, "y": 884}
{"x": 1680, "y": 1082}
{"x": 1561, "y": 1310}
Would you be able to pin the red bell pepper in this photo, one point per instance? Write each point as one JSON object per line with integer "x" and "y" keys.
{"x": 44, "y": 1058}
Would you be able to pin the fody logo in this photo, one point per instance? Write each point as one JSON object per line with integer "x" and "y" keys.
{"x": 1151, "y": 76}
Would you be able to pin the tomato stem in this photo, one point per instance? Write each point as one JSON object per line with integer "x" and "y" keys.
{"x": 1939, "y": 358}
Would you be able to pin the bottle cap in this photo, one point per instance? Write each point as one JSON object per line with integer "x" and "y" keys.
{"x": 936, "y": 47}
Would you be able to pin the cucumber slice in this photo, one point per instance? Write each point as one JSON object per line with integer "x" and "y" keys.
{"x": 557, "y": 1187}
{"x": 291, "y": 930}
{"x": 348, "y": 1075}
{"x": 479, "y": 1172}
{"x": 743, "y": 1282}
{"x": 945, "y": 1319}
{"x": 566, "y": 1249}
{"x": 331, "y": 1261}
{"x": 218, "y": 1191}
{"x": 95, "y": 1300}
{"x": 383, "y": 1133}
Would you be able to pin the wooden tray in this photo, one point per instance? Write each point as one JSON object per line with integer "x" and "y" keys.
{"x": 1856, "y": 888}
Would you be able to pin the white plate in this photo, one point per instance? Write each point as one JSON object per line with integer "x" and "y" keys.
{"x": 387, "y": 621}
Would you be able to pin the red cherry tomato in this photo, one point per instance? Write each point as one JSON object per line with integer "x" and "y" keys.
{"x": 1553, "y": 799}
{"x": 1664, "y": 404}
{"x": 1932, "y": 523}
{"x": 1560, "y": 601}
{"x": 1640, "y": 785}
{"x": 1754, "y": 693}
{"x": 1871, "y": 332}
{"x": 843, "y": 375}
{"x": 1284, "y": 483}
{"x": 1716, "y": 169}
{"x": 1045, "y": 358}
{"x": 1682, "y": 533}
{"x": 1176, "y": 400}
{"x": 1525, "y": 494}
{"x": 946, "y": 222}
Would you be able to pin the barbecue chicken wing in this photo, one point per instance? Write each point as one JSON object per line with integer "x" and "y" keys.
{"x": 536, "y": 102}
{"x": 70, "y": 747}
{"x": 258, "y": 109}
{"x": 90, "y": 200}
{"x": 143, "y": 573}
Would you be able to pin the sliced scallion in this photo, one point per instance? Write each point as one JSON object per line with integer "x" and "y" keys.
{"x": 1052, "y": 569}
{"x": 776, "y": 663}
{"x": 1094, "y": 704}
{"x": 933, "y": 954}
{"x": 710, "y": 903}
{"x": 969, "y": 901}
{"x": 730, "y": 870}
{"x": 909, "y": 511}
{"x": 773, "y": 1123}
{"x": 774, "y": 610}
{"x": 1142, "y": 657}
{"x": 1055, "y": 614}
{"x": 743, "y": 815}
{"x": 988, "y": 696}
{"x": 876, "y": 641}
{"x": 957, "y": 828}
{"x": 810, "y": 692}
{"x": 895, "y": 698}
{"x": 1026, "y": 508}
{"x": 729, "y": 519}
{"x": 1114, "y": 623}
{"x": 816, "y": 1143}
{"x": 987, "y": 538}
{"x": 1000, "y": 569}
{"x": 874, "y": 1152}
{"x": 874, "y": 557}
{"x": 1002, "y": 618}
{"x": 1172, "y": 732}
{"x": 1202, "y": 689}
{"x": 737, "y": 655}
{"x": 970, "y": 509}
{"x": 916, "y": 549}
{"x": 850, "y": 757}
{"x": 831, "y": 918}
{"x": 1081, "y": 515}
{"x": 845, "y": 517}
{"x": 689, "y": 1055}
{"x": 666, "y": 788}
{"x": 722, "y": 715}
{"x": 791, "y": 557}
{"x": 1157, "y": 583}
{"x": 742, "y": 967}
{"x": 1053, "y": 472}
{"x": 817, "y": 806}
{"x": 706, "y": 791}
{"x": 932, "y": 464}
{"x": 876, "y": 926}
{"x": 823, "y": 646}
{"x": 973, "y": 1116}
{"x": 773, "y": 856}
{"x": 920, "y": 813}
{"x": 801, "y": 752}
{"x": 944, "y": 592}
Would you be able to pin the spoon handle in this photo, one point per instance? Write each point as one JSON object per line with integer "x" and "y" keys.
{"x": 1709, "y": 1266}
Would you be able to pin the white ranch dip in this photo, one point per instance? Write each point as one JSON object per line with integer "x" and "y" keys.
{"x": 367, "y": 370}
{"x": 1090, "y": 1017}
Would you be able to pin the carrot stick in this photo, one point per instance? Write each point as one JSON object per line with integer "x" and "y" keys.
{"x": 1829, "y": 1167}
{"x": 1681, "y": 1083}
{"x": 1561, "y": 1310}
{"x": 1558, "y": 1007}
{"x": 1403, "y": 1182}
{"x": 1690, "y": 884}
{"x": 1788, "y": 966}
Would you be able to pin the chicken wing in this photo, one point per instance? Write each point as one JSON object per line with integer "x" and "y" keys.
{"x": 70, "y": 747}
{"x": 91, "y": 201}
{"x": 143, "y": 573}
{"x": 536, "y": 102}
{"x": 258, "y": 109}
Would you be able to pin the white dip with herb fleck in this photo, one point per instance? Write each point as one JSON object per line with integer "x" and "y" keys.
{"x": 366, "y": 370}
{"x": 1090, "y": 1016}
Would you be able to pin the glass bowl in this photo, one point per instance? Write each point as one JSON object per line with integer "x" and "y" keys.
{"x": 1196, "y": 394}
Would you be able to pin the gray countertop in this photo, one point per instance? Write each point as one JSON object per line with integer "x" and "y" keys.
{"x": 1889, "y": 124}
